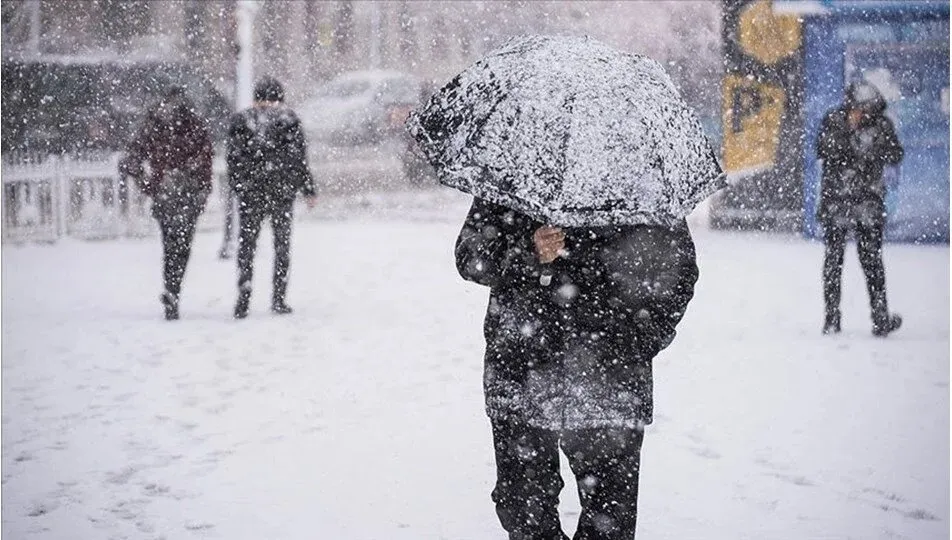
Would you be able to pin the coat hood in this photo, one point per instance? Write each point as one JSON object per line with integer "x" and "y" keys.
{"x": 269, "y": 89}
{"x": 865, "y": 96}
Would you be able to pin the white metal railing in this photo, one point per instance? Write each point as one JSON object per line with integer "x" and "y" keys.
{"x": 49, "y": 197}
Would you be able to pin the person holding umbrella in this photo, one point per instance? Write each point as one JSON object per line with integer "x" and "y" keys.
{"x": 583, "y": 162}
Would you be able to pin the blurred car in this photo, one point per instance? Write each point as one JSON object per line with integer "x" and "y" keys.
{"x": 58, "y": 106}
{"x": 360, "y": 107}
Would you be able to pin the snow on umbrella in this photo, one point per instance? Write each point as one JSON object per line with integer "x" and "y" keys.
{"x": 572, "y": 133}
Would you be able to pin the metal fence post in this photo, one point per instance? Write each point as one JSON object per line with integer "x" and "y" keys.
{"x": 60, "y": 194}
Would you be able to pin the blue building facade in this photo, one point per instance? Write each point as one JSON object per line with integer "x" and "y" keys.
{"x": 902, "y": 47}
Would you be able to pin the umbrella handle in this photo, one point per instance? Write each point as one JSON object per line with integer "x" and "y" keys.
{"x": 545, "y": 278}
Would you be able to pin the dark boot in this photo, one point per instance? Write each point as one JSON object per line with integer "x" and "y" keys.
{"x": 887, "y": 326}
{"x": 884, "y": 323}
{"x": 241, "y": 307}
{"x": 170, "y": 303}
{"x": 831, "y": 324}
{"x": 278, "y": 307}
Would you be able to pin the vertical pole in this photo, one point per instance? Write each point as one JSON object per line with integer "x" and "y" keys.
{"x": 374, "y": 34}
{"x": 61, "y": 194}
{"x": 122, "y": 225}
{"x": 244, "y": 75}
{"x": 36, "y": 22}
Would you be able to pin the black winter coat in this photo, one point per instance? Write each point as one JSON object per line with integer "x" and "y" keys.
{"x": 852, "y": 189}
{"x": 267, "y": 155}
{"x": 576, "y": 353}
{"x": 171, "y": 140}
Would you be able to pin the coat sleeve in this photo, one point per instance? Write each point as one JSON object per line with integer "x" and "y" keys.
{"x": 137, "y": 152}
{"x": 826, "y": 141}
{"x": 205, "y": 156}
{"x": 234, "y": 155}
{"x": 892, "y": 151}
{"x": 657, "y": 321}
{"x": 299, "y": 160}
{"x": 494, "y": 248}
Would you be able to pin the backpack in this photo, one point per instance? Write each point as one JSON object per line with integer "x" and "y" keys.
{"x": 260, "y": 152}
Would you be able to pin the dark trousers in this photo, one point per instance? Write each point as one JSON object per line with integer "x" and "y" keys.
{"x": 869, "y": 243}
{"x": 230, "y": 216}
{"x": 250, "y": 217}
{"x": 605, "y": 463}
{"x": 177, "y": 212}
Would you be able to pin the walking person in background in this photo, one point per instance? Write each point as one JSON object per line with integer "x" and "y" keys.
{"x": 175, "y": 141}
{"x": 267, "y": 167}
{"x": 855, "y": 143}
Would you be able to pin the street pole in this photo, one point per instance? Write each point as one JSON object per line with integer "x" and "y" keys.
{"x": 374, "y": 34}
{"x": 35, "y": 23}
{"x": 245, "y": 11}
{"x": 244, "y": 75}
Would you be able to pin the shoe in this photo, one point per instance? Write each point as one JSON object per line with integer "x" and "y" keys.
{"x": 893, "y": 322}
{"x": 280, "y": 308}
{"x": 241, "y": 308}
{"x": 831, "y": 325}
{"x": 170, "y": 302}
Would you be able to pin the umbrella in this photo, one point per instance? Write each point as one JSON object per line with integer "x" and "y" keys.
{"x": 570, "y": 132}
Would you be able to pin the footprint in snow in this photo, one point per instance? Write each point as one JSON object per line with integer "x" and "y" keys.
{"x": 796, "y": 480}
{"x": 198, "y": 526}
{"x": 886, "y": 495}
{"x": 920, "y": 515}
{"x": 41, "y": 508}
{"x": 155, "y": 490}
{"x": 888, "y": 498}
{"x": 764, "y": 462}
{"x": 705, "y": 452}
{"x": 122, "y": 476}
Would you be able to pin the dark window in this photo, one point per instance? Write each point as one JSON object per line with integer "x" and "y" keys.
{"x": 121, "y": 20}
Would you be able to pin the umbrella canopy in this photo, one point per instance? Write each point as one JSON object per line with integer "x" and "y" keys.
{"x": 572, "y": 133}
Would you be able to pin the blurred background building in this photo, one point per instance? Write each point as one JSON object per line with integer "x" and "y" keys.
{"x": 788, "y": 62}
{"x": 79, "y": 74}
{"x": 760, "y": 73}
{"x": 307, "y": 42}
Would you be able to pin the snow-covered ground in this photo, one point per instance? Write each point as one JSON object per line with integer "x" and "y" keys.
{"x": 360, "y": 416}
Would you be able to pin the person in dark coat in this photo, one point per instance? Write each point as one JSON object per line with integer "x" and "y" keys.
{"x": 855, "y": 143}
{"x": 267, "y": 167}
{"x": 176, "y": 143}
{"x": 574, "y": 321}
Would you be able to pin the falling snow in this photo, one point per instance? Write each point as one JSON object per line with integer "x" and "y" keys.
{"x": 363, "y": 414}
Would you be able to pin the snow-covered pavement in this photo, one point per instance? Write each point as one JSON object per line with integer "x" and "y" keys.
{"x": 360, "y": 416}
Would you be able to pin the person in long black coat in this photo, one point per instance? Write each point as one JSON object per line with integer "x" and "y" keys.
{"x": 856, "y": 141}
{"x": 267, "y": 168}
{"x": 575, "y": 319}
{"x": 176, "y": 143}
